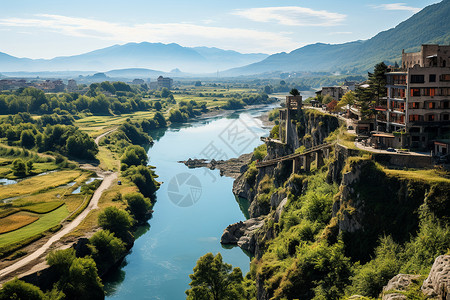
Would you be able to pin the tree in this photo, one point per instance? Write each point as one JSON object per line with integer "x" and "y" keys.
{"x": 143, "y": 178}
{"x": 138, "y": 205}
{"x": 157, "y": 105}
{"x": 18, "y": 289}
{"x": 19, "y": 167}
{"x": 176, "y": 116}
{"x": 116, "y": 221}
{"x": 294, "y": 92}
{"x": 78, "y": 278}
{"x": 160, "y": 119}
{"x": 268, "y": 89}
{"x": 348, "y": 99}
{"x": 134, "y": 155}
{"x": 377, "y": 82}
{"x": 332, "y": 105}
{"x": 81, "y": 145}
{"x": 213, "y": 279}
{"x": 106, "y": 249}
{"x": 84, "y": 282}
{"x": 327, "y": 99}
{"x": 61, "y": 260}
{"x": 198, "y": 83}
{"x": 165, "y": 93}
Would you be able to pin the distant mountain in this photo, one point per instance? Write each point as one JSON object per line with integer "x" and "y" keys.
{"x": 429, "y": 26}
{"x": 137, "y": 55}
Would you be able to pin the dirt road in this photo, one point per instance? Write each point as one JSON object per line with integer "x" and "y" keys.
{"x": 108, "y": 179}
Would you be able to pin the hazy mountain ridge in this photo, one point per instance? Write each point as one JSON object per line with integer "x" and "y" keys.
{"x": 430, "y": 25}
{"x": 136, "y": 55}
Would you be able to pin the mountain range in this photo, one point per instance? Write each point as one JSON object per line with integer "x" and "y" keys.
{"x": 137, "y": 55}
{"x": 429, "y": 26}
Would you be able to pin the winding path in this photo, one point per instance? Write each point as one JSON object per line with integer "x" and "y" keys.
{"x": 108, "y": 180}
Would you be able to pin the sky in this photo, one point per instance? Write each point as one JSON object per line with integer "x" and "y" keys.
{"x": 50, "y": 28}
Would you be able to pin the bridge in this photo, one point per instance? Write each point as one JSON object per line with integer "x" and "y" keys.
{"x": 306, "y": 156}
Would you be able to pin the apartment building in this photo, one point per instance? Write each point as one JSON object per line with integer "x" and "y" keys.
{"x": 418, "y": 98}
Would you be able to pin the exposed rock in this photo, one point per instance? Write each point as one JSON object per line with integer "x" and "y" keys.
{"x": 276, "y": 198}
{"x": 242, "y": 234}
{"x": 280, "y": 209}
{"x": 349, "y": 221}
{"x": 437, "y": 284}
{"x": 341, "y": 153}
{"x": 230, "y": 168}
{"x": 258, "y": 209}
{"x": 400, "y": 282}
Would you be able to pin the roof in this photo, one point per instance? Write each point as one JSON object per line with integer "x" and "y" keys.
{"x": 443, "y": 141}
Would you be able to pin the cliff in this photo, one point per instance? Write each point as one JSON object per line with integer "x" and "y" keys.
{"x": 343, "y": 229}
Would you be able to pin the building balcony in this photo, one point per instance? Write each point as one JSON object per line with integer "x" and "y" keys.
{"x": 429, "y": 123}
{"x": 398, "y": 111}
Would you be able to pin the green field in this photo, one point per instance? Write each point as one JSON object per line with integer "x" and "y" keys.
{"x": 45, "y": 222}
{"x": 38, "y": 184}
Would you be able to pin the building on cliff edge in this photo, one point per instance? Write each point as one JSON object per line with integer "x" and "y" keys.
{"x": 416, "y": 111}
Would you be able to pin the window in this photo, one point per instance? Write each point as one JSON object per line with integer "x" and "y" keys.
{"x": 430, "y": 118}
{"x": 417, "y": 78}
{"x": 445, "y": 104}
{"x": 445, "y": 117}
{"x": 432, "y": 78}
{"x": 445, "y": 92}
{"x": 445, "y": 77}
{"x": 431, "y": 105}
{"x": 413, "y": 118}
{"x": 414, "y": 105}
{"x": 415, "y": 92}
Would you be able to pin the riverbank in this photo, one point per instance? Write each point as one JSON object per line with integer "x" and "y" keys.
{"x": 164, "y": 256}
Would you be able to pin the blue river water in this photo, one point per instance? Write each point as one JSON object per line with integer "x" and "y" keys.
{"x": 189, "y": 216}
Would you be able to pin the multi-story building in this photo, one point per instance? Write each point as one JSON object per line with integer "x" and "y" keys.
{"x": 165, "y": 82}
{"x": 418, "y": 98}
{"x": 72, "y": 85}
{"x": 336, "y": 92}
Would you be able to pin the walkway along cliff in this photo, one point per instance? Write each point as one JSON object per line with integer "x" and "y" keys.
{"x": 330, "y": 221}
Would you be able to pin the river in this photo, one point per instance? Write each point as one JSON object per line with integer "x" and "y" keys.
{"x": 193, "y": 207}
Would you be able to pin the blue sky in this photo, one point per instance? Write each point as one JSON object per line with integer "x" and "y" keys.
{"x": 45, "y": 29}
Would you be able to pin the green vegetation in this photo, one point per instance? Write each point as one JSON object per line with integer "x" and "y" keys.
{"x": 138, "y": 205}
{"x": 117, "y": 221}
{"x": 106, "y": 249}
{"x": 45, "y": 222}
{"x": 214, "y": 280}
{"x": 17, "y": 289}
{"x": 260, "y": 152}
{"x": 77, "y": 277}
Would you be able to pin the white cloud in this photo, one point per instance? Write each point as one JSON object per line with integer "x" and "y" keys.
{"x": 340, "y": 32}
{"x": 244, "y": 40}
{"x": 292, "y": 16}
{"x": 397, "y": 6}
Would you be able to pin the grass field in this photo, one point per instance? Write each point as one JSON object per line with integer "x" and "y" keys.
{"x": 434, "y": 175}
{"x": 16, "y": 221}
{"x": 44, "y": 223}
{"x": 38, "y": 184}
{"x": 43, "y": 207}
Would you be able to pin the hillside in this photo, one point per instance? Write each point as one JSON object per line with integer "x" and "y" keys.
{"x": 137, "y": 55}
{"x": 430, "y": 25}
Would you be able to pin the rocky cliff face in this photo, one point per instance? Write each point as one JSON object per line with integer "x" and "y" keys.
{"x": 309, "y": 129}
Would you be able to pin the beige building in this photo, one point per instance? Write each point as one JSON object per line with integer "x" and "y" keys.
{"x": 418, "y": 98}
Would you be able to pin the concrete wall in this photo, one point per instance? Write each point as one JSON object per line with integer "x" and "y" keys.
{"x": 403, "y": 160}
